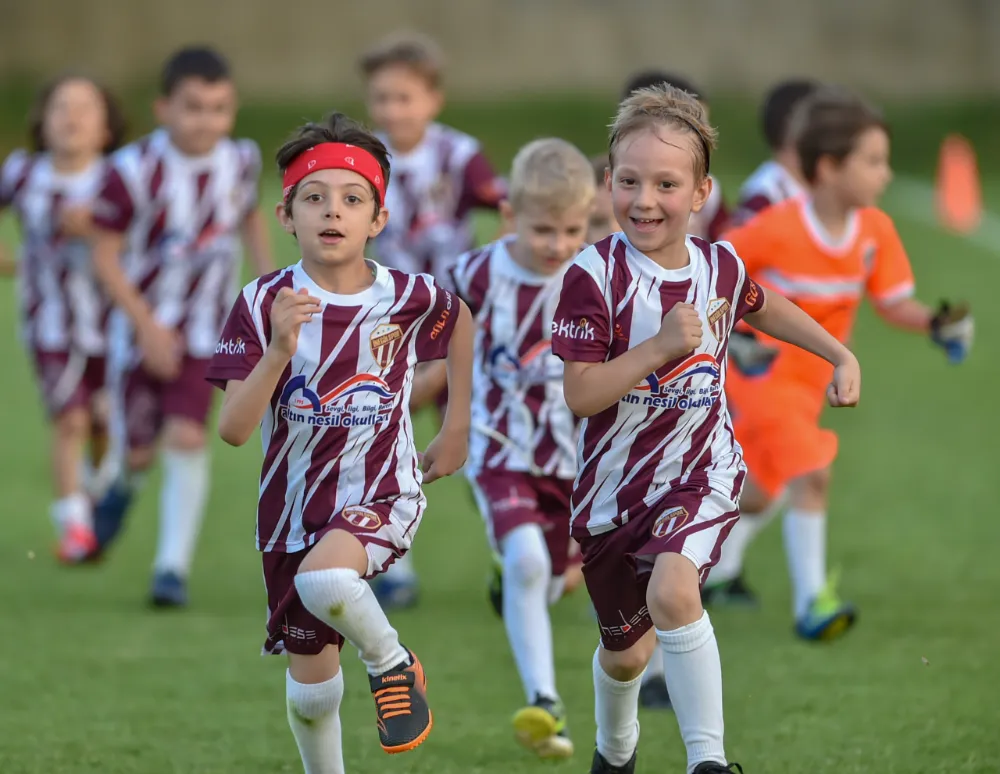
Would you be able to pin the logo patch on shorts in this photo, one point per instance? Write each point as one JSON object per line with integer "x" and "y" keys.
{"x": 669, "y": 521}
{"x": 384, "y": 343}
{"x": 717, "y": 309}
{"x": 362, "y": 518}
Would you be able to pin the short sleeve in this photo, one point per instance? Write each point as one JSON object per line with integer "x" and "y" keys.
{"x": 581, "y": 326}
{"x": 438, "y": 325}
{"x": 249, "y": 177}
{"x": 12, "y": 174}
{"x": 890, "y": 277}
{"x": 481, "y": 188}
{"x": 752, "y": 243}
{"x": 748, "y": 207}
{"x": 239, "y": 348}
{"x": 751, "y": 298}
{"x": 469, "y": 277}
{"x": 113, "y": 208}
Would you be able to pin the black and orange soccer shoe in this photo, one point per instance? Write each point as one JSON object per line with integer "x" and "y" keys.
{"x": 404, "y": 718}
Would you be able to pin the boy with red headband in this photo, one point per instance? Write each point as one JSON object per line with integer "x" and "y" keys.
{"x": 321, "y": 355}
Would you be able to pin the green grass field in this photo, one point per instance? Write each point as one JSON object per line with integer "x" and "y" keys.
{"x": 93, "y": 681}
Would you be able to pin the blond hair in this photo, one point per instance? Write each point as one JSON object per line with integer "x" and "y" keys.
{"x": 413, "y": 50}
{"x": 552, "y": 174}
{"x": 666, "y": 105}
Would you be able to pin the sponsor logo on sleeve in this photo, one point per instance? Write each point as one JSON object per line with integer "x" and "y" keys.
{"x": 235, "y": 346}
{"x": 574, "y": 330}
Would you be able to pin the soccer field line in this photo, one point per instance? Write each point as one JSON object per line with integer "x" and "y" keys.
{"x": 914, "y": 199}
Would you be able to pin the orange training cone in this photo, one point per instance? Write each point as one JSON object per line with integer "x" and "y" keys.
{"x": 958, "y": 191}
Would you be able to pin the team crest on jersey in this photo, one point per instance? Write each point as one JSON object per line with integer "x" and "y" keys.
{"x": 717, "y": 309}
{"x": 384, "y": 342}
{"x": 362, "y": 518}
{"x": 670, "y": 521}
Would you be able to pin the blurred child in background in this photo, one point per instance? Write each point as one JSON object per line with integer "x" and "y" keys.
{"x": 167, "y": 226}
{"x": 74, "y": 124}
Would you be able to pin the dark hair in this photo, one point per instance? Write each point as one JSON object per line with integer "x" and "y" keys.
{"x": 778, "y": 107}
{"x": 410, "y": 49}
{"x": 828, "y": 123}
{"x": 647, "y": 78}
{"x": 114, "y": 117}
{"x": 336, "y": 127}
{"x": 193, "y": 62}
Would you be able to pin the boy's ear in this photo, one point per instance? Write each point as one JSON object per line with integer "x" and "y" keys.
{"x": 284, "y": 219}
{"x": 607, "y": 178}
{"x": 507, "y": 216}
{"x": 160, "y": 109}
{"x": 438, "y": 97}
{"x": 702, "y": 192}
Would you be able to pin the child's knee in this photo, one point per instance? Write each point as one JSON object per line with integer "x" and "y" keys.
{"x": 626, "y": 665}
{"x": 809, "y": 491}
{"x": 314, "y": 686}
{"x": 73, "y": 425}
{"x": 183, "y": 434}
{"x": 674, "y": 592}
{"x": 525, "y": 557}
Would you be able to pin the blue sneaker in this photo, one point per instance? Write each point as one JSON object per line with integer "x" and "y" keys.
{"x": 396, "y": 594}
{"x": 109, "y": 514}
{"x": 169, "y": 590}
{"x": 828, "y": 617}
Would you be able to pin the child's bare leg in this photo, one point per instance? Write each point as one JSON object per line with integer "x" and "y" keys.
{"x": 617, "y": 675}
{"x": 690, "y": 652}
{"x": 314, "y": 687}
{"x": 330, "y": 585}
{"x": 71, "y": 511}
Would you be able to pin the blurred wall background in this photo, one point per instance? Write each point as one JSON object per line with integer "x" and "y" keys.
{"x": 297, "y": 49}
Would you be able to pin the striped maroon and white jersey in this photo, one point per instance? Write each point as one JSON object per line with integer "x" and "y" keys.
{"x": 673, "y": 427}
{"x": 712, "y": 219}
{"x": 62, "y": 306}
{"x": 432, "y": 192}
{"x": 769, "y": 184}
{"x": 338, "y": 433}
{"x": 181, "y": 217}
{"x": 520, "y": 420}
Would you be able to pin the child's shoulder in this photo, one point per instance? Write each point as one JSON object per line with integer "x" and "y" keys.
{"x": 876, "y": 220}
{"x": 267, "y": 285}
{"x": 453, "y": 137}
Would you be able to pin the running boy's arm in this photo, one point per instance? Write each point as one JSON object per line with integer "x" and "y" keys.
{"x": 253, "y": 229}
{"x": 247, "y": 400}
{"x": 582, "y": 337}
{"x": 589, "y": 388}
{"x": 447, "y": 452}
{"x": 890, "y": 287}
{"x": 780, "y": 318}
{"x": 257, "y": 243}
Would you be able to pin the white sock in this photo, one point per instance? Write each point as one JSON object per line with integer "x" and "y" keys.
{"x": 339, "y": 598}
{"x": 527, "y": 570}
{"x": 402, "y": 570}
{"x": 805, "y": 546}
{"x": 72, "y": 509}
{"x": 183, "y": 495}
{"x": 694, "y": 678}
{"x": 314, "y": 715}
{"x": 654, "y": 669}
{"x": 743, "y": 533}
{"x": 616, "y": 710}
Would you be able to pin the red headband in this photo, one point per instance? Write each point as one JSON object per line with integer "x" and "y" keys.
{"x": 335, "y": 155}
